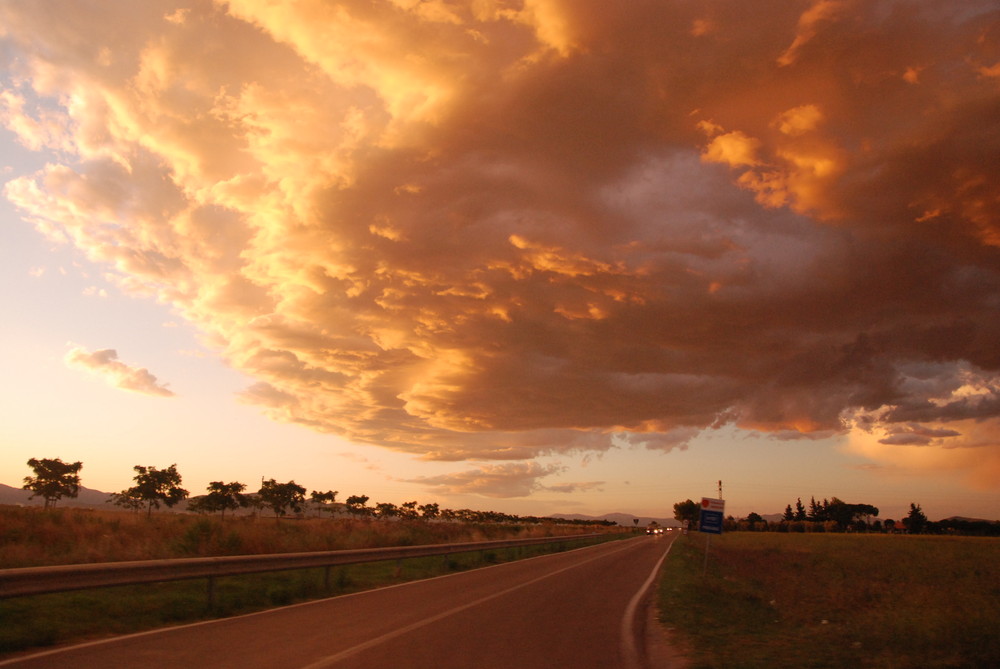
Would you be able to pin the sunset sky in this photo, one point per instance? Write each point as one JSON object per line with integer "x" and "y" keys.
{"x": 533, "y": 256}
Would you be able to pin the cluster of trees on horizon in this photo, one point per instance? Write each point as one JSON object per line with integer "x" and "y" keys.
{"x": 836, "y": 515}
{"x": 54, "y": 479}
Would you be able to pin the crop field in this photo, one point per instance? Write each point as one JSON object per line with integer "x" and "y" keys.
{"x": 834, "y": 600}
{"x": 31, "y": 537}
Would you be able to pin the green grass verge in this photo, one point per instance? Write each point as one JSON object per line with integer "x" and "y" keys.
{"x": 45, "y": 620}
{"x": 834, "y": 600}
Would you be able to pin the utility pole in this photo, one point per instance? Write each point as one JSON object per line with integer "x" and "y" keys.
{"x": 720, "y": 489}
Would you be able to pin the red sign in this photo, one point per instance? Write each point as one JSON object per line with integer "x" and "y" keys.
{"x": 709, "y": 504}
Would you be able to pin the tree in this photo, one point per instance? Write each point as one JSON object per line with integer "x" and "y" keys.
{"x": 152, "y": 486}
{"x": 356, "y": 505}
{"x": 915, "y": 521}
{"x": 789, "y": 514}
{"x": 840, "y": 512}
{"x": 864, "y": 513}
{"x": 800, "y": 511}
{"x": 430, "y": 511}
{"x": 754, "y": 517}
{"x": 686, "y": 510}
{"x": 323, "y": 501}
{"x": 386, "y": 510}
{"x": 127, "y": 499}
{"x": 282, "y": 496}
{"x": 408, "y": 510}
{"x": 221, "y": 496}
{"x": 817, "y": 510}
{"x": 53, "y": 479}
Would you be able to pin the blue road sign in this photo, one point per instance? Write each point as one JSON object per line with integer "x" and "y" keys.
{"x": 710, "y": 522}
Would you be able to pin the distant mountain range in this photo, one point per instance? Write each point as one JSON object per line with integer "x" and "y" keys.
{"x": 623, "y": 519}
{"x": 86, "y": 498}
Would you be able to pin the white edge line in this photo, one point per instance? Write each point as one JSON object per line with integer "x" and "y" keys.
{"x": 371, "y": 643}
{"x": 215, "y": 621}
{"x": 629, "y": 651}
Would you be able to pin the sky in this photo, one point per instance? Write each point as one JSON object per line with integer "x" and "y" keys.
{"x": 531, "y": 256}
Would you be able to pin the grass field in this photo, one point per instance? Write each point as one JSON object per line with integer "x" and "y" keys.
{"x": 834, "y": 600}
{"x": 30, "y": 537}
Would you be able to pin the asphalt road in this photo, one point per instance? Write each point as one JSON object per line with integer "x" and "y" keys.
{"x": 582, "y": 608}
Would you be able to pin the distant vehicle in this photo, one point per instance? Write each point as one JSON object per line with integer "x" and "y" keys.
{"x": 654, "y": 530}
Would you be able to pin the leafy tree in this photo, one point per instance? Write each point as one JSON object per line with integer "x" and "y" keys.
{"x": 386, "y": 510}
{"x": 915, "y": 521}
{"x": 53, "y": 479}
{"x": 865, "y": 511}
{"x": 323, "y": 501}
{"x": 127, "y": 499}
{"x": 152, "y": 487}
{"x": 840, "y": 512}
{"x": 430, "y": 511}
{"x": 753, "y": 518}
{"x": 356, "y": 505}
{"x": 221, "y": 496}
{"x": 686, "y": 510}
{"x": 408, "y": 510}
{"x": 282, "y": 496}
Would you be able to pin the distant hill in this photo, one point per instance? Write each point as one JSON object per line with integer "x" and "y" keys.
{"x": 86, "y": 498}
{"x": 623, "y": 519}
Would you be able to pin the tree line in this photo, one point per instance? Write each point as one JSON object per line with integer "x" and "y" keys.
{"x": 836, "y": 515}
{"x": 54, "y": 479}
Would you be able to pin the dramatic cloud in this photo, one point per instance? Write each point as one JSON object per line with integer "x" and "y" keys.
{"x": 495, "y": 229}
{"x": 105, "y": 363}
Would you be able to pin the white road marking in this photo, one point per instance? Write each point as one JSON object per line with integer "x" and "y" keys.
{"x": 354, "y": 650}
{"x": 630, "y": 653}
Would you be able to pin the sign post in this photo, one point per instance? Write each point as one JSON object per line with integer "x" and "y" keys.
{"x": 710, "y": 521}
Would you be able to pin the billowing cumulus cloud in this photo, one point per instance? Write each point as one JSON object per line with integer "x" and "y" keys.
{"x": 105, "y": 363}
{"x": 496, "y": 229}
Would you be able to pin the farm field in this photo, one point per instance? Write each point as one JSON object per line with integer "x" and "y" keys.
{"x": 31, "y": 537}
{"x": 834, "y": 600}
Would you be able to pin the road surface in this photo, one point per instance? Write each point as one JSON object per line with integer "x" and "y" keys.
{"x": 582, "y": 608}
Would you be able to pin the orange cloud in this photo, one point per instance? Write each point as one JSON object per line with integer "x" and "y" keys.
{"x": 492, "y": 230}
{"x": 105, "y": 363}
{"x": 966, "y": 450}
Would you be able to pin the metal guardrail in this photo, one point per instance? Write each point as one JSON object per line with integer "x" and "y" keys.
{"x": 63, "y": 578}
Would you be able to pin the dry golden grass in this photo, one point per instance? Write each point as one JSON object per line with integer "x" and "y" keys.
{"x": 33, "y": 537}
